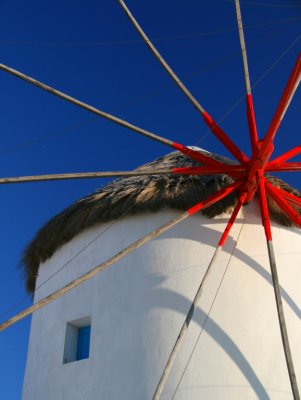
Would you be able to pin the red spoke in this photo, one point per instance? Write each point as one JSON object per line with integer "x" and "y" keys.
{"x": 285, "y": 100}
{"x": 263, "y": 185}
{"x": 232, "y": 219}
{"x": 224, "y": 139}
{"x": 251, "y": 122}
{"x": 265, "y": 218}
{"x": 283, "y": 204}
{"x": 291, "y": 198}
{"x": 265, "y": 147}
{"x": 286, "y": 156}
{"x": 214, "y": 198}
{"x": 195, "y": 155}
{"x": 290, "y": 166}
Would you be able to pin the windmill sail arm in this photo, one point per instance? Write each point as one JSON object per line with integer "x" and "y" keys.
{"x": 156, "y": 53}
{"x": 97, "y": 111}
{"x": 227, "y": 142}
{"x": 251, "y": 121}
{"x": 240, "y": 201}
{"x": 234, "y": 170}
{"x": 290, "y": 166}
{"x": 291, "y": 198}
{"x": 249, "y": 99}
{"x": 276, "y": 195}
{"x": 264, "y": 187}
{"x": 285, "y": 156}
{"x": 224, "y": 139}
{"x": 285, "y": 100}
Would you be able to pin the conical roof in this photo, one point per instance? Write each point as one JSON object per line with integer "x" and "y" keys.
{"x": 133, "y": 195}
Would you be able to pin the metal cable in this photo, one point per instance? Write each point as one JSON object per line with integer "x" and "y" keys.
{"x": 272, "y": 5}
{"x": 136, "y": 41}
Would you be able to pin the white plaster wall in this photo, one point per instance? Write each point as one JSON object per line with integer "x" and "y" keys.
{"x": 138, "y": 305}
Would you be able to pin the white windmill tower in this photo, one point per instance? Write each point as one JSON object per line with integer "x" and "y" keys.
{"x": 124, "y": 333}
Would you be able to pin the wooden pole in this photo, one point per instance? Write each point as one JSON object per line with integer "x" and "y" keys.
{"x": 232, "y": 170}
{"x": 185, "y": 150}
{"x": 85, "y": 106}
{"x": 243, "y": 47}
{"x": 84, "y": 175}
{"x": 163, "y": 228}
{"x": 283, "y": 329}
{"x": 227, "y": 142}
{"x": 283, "y": 105}
{"x": 164, "y": 64}
{"x": 249, "y": 98}
{"x": 184, "y": 328}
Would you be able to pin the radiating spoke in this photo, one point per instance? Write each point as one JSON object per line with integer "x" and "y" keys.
{"x": 286, "y": 156}
{"x": 284, "y": 335}
{"x": 285, "y": 100}
{"x": 235, "y": 170}
{"x": 249, "y": 98}
{"x": 232, "y": 170}
{"x": 227, "y": 142}
{"x": 83, "y": 175}
{"x": 291, "y": 198}
{"x": 290, "y": 166}
{"x": 193, "y": 154}
{"x": 283, "y": 204}
{"x": 260, "y": 158}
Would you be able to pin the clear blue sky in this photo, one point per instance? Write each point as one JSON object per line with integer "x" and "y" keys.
{"x": 90, "y": 50}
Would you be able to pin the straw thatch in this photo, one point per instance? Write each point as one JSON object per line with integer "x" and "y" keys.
{"x": 136, "y": 195}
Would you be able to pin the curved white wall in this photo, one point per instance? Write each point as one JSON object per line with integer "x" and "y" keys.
{"x": 138, "y": 306}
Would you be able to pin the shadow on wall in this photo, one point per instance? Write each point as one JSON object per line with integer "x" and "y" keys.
{"x": 168, "y": 299}
{"x": 212, "y": 237}
{"x": 162, "y": 298}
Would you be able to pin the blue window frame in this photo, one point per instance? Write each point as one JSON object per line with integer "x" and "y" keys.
{"x": 83, "y": 342}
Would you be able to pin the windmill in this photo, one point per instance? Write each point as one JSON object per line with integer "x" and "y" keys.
{"x": 248, "y": 175}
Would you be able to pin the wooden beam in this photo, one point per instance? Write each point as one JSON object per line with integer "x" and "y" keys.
{"x": 227, "y": 142}
{"x": 156, "y": 232}
{"x": 280, "y": 312}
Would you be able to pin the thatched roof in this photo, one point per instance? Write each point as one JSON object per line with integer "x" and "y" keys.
{"x": 135, "y": 195}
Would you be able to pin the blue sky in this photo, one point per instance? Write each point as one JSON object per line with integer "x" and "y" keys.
{"x": 90, "y": 50}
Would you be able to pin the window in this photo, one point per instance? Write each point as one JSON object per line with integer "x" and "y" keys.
{"x": 83, "y": 342}
{"x": 77, "y": 340}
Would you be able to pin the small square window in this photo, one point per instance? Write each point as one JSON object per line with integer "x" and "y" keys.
{"x": 77, "y": 340}
{"x": 83, "y": 342}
